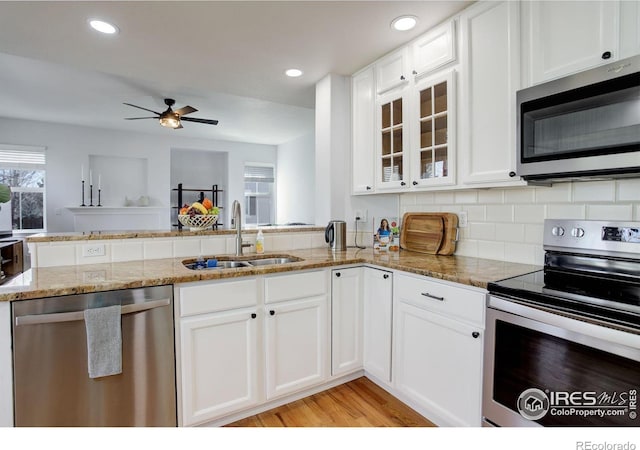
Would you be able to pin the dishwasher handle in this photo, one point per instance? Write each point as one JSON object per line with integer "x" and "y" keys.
{"x": 36, "y": 319}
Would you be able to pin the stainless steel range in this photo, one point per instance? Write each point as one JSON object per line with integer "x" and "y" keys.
{"x": 562, "y": 346}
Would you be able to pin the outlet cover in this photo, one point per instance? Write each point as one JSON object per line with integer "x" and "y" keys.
{"x": 462, "y": 219}
{"x": 93, "y": 250}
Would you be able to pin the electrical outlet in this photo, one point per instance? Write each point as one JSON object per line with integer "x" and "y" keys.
{"x": 362, "y": 214}
{"x": 462, "y": 219}
{"x": 93, "y": 250}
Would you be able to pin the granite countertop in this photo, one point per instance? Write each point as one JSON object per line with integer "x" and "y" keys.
{"x": 133, "y": 234}
{"x": 66, "y": 280}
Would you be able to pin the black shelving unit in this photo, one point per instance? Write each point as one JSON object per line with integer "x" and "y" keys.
{"x": 214, "y": 199}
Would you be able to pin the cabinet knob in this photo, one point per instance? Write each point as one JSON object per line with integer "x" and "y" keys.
{"x": 368, "y": 188}
{"x": 512, "y": 174}
{"x": 402, "y": 183}
{"x": 606, "y": 55}
{"x": 254, "y": 315}
{"x": 402, "y": 77}
{"x": 414, "y": 72}
{"x": 272, "y": 312}
{"x": 338, "y": 274}
{"x": 415, "y": 183}
{"x": 475, "y": 334}
{"x": 385, "y": 276}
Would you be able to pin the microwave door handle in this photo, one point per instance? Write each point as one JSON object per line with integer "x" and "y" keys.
{"x": 37, "y": 319}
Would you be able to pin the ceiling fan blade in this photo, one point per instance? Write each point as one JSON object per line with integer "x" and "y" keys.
{"x": 185, "y": 110}
{"x": 193, "y": 119}
{"x": 140, "y": 107}
{"x": 136, "y": 118}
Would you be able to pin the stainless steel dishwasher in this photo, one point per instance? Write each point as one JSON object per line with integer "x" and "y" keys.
{"x": 51, "y": 382}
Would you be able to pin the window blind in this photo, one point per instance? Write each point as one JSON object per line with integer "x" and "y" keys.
{"x": 22, "y": 157}
{"x": 259, "y": 174}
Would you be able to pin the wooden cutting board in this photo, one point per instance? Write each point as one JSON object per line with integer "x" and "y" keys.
{"x": 433, "y": 233}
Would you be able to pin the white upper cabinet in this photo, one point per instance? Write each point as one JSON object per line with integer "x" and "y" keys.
{"x": 629, "y": 29}
{"x": 491, "y": 76}
{"x": 434, "y": 50}
{"x": 392, "y": 70}
{"x": 564, "y": 37}
{"x": 392, "y": 142}
{"x": 362, "y": 134}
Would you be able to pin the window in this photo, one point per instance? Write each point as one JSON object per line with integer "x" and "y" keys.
{"x": 259, "y": 206}
{"x": 22, "y": 168}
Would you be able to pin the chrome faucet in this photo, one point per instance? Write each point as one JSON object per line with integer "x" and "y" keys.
{"x": 236, "y": 211}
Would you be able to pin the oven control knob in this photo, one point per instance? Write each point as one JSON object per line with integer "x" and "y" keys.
{"x": 577, "y": 232}
{"x": 557, "y": 231}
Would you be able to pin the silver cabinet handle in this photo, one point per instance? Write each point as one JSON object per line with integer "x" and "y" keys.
{"x": 35, "y": 319}
{"x": 435, "y": 297}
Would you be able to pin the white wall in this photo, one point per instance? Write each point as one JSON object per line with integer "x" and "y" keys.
{"x": 295, "y": 181}
{"x": 69, "y": 147}
{"x": 506, "y": 224}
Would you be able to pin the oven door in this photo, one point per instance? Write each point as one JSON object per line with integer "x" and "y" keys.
{"x": 544, "y": 369}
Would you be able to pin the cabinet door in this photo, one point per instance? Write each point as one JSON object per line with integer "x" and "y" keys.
{"x": 490, "y": 54}
{"x": 218, "y": 364}
{"x": 569, "y": 36}
{"x": 435, "y": 49}
{"x": 362, "y": 119}
{"x": 392, "y": 70}
{"x": 629, "y": 29}
{"x": 378, "y": 291}
{"x": 392, "y": 144}
{"x": 433, "y": 143}
{"x": 438, "y": 365}
{"x": 296, "y": 345}
{"x": 346, "y": 320}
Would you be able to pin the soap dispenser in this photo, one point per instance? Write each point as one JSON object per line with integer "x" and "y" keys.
{"x": 260, "y": 242}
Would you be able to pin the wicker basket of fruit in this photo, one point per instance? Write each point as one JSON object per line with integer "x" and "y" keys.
{"x": 198, "y": 216}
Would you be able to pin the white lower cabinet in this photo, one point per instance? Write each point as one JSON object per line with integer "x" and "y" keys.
{"x": 438, "y": 358}
{"x": 346, "y": 320}
{"x": 219, "y": 364}
{"x": 296, "y": 345}
{"x": 378, "y": 302}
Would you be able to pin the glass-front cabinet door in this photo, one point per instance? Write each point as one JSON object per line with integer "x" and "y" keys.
{"x": 391, "y": 140}
{"x": 433, "y": 151}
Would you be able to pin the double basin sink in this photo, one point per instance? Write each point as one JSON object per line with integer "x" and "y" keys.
{"x": 230, "y": 262}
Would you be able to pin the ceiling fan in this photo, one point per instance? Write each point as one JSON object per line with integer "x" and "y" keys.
{"x": 171, "y": 118}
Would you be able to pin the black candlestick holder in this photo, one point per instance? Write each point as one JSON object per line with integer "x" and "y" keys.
{"x": 83, "y": 194}
{"x": 91, "y": 195}
{"x": 99, "y": 191}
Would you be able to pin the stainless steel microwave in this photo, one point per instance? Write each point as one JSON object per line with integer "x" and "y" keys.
{"x": 583, "y": 126}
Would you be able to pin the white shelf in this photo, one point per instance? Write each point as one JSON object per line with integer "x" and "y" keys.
{"x": 116, "y": 209}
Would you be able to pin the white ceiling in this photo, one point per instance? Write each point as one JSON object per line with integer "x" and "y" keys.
{"x": 225, "y": 58}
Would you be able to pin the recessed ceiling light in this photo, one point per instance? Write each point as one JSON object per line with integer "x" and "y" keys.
{"x": 404, "y": 23}
{"x": 293, "y": 73}
{"x": 103, "y": 27}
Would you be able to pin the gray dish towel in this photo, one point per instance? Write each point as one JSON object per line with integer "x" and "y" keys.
{"x": 104, "y": 341}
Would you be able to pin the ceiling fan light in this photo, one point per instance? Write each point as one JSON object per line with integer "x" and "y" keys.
{"x": 170, "y": 122}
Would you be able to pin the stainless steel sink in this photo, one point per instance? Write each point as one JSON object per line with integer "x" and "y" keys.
{"x": 225, "y": 262}
{"x": 268, "y": 261}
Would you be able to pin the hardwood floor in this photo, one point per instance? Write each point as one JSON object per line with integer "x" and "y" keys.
{"x": 359, "y": 403}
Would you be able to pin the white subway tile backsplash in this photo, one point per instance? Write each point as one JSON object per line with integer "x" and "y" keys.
{"x": 558, "y": 193}
{"x": 213, "y": 245}
{"x": 127, "y": 250}
{"x": 566, "y": 211}
{"x": 303, "y": 241}
{"x": 466, "y": 197}
{"x": 491, "y": 250}
{"x": 510, "y": 232}
{"x": 479, "y": 230}
{"x": 422, "y": 198}
{"x": 520, "y": 195}
{"x": 520, "y": 253}
{"x": 500, "y": 213}
{"x": 533, "y": 234}
{"x": 188, "y": 246}
{"x": 594, "y": 191}
{"x": 467, "y": 247}
{"x": 475, "y": 213}
{"x": 451, "y": 208}
{"x": 158, "y": 248}
{"x": 491, "y": 196}
{"x": 443, "y": 197}
{"x": 628, "y": 190}
{"x": 281, "y": 242}
{"x": 56, "y": 255}
{"x": 636, "y": 214}
{"x": 610, "y": 212}
{"x": 529, "y": 213}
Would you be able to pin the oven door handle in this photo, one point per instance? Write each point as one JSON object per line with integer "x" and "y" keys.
{"x": 37, "y": 319}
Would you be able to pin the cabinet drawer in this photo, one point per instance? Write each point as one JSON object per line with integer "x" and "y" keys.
{"x": 290, "y": 287}
{"x": 453, "y": 301}
{"x": 217, "y": 296}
